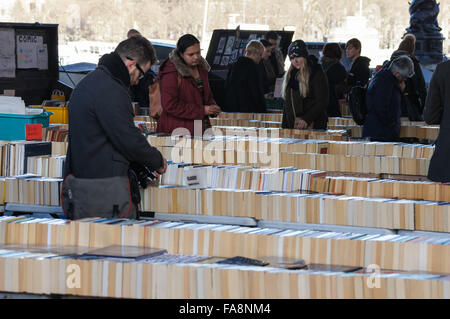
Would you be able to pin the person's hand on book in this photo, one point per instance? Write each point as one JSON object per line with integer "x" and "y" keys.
{"x": 163, "y": 169}
{"x": 212, "y": 110}
{"x": 300, "y": 123}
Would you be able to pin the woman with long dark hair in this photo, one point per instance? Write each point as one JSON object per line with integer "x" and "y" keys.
{"x": 186, "y": 97}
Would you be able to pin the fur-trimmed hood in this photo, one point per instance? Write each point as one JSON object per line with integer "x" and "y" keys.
{"x": 179, "y": 65}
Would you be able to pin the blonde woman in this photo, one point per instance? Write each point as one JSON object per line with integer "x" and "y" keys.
{"x": 305, "y": 90}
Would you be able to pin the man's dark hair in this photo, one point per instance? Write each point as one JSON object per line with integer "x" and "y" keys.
{"x": 332, "y": 50}
{"x": 271, "y": 35}
{"x": 138, "y": 48}
{"x": 265, "y": 43}
{"x": 354, "y": 43}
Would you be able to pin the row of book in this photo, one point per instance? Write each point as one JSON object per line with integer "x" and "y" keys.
{"x": 296, "y": 207}
{"x": 14, "y": 155}
{"x": 287, "y": 179}
{"x": 56, "y": 133}
{"x": 184, "y": 276}
{"x": 59, "y": 148}
{"x": 414, "y": 131}
{"x": 244, "y": 123}
{"x": 290, "y": 179}
{"x": 345, "y": 121}
{"x": 286, "y": 207}
{"x": 408, "y": 129}
{"x": 145, "y": 126}
{"x": 384, "y": 188}
{"x": 356, "y": 164}
{"x": 273, "y": 117}
{"x": 389, "y": 251}
{"x": 30, "y": 189}
{"x": 253, "y": 142}
{"x": 331, "y": 135}
{"x": 324, "y": 162}
{"x": 348, "y": 120}
{"x": 362, "y": 148}
{"x": 417, "y": 129}
{"x": 420, "y": 132}
{"x": 46, "y": 166}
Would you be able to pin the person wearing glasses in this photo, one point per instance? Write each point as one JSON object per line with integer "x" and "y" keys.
{"x": 103, "y": 139}
{"x": 141, "y": 91}
{"x": 384, "y": 98}
{"x": 186, "y": 97}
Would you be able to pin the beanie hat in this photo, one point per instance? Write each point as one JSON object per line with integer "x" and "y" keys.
{"x": 185, "y": 42}
{"x": 408, "y": 44}
{"x": 298, "y": 49}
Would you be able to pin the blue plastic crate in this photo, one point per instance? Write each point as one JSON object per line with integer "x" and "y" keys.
{"x": 12, "y": 126}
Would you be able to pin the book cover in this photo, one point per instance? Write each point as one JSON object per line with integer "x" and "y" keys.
{"x": 132, "y": 252}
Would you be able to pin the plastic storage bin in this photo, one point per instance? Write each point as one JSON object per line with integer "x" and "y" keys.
{"x": 12, "y": 126}
{"x": 60, "y": 114}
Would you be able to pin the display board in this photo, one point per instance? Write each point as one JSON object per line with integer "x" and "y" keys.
{"x": 227, "y": 45}
{"x": 225, "y": 48}
{"x": 28, "y": 60}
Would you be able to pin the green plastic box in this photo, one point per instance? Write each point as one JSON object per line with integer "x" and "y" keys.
{"x": 12, "y": 126}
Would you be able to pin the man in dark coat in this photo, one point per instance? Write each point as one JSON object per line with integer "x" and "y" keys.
{"x": 336, "y": 75}
{"x": 244, "y": 88}
{"x": 140, "y": 91}
{"x": 416, "y": 90}
{"x": 359, "y": 73}
{"x": 437, "y": 111}
{"x": 383, "y": 100}
{"x": 103, "y": 138}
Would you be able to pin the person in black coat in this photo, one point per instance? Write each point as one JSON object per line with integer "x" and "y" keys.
{"x": 437, "y": 112}
{"x": 416, "y": 90}
{"x": 383, "y": 100}
{"x": 336, "y": 74}
{"x": 244, "y": 84}
{"x": 103, "y": 139}
{"x": 269, "y": 77}
{"x": 359, "y": 73}
{"x": 140, "y": 91}
{"x": 305, "y": 90}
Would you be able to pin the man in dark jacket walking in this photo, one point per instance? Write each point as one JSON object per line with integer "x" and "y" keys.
{"x": 437, "y": 111}
{"x": 383, "y": 100}
{"x": 359, "y": 73}
{"x": 244, "y": 85}
{"x": 103, "y": 139}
